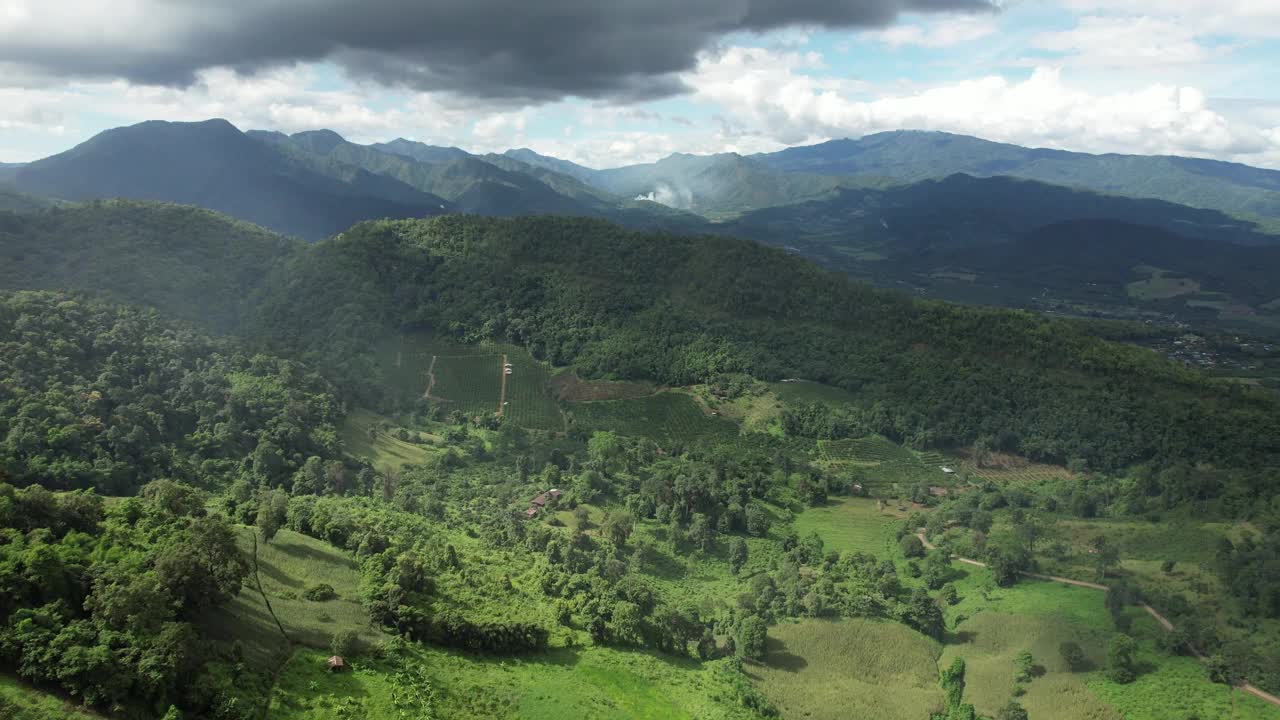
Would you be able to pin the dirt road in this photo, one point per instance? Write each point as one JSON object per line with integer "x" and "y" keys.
{"x": 502, "y": 394}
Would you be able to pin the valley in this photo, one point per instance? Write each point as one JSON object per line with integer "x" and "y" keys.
{"x": 518, "y": 467}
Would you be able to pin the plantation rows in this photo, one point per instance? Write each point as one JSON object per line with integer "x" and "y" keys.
{"x": 529, "y": 397}
{"x": 883, "y": 461}
{"x": 667, "y": 418}
{"x": 470, "y": 383}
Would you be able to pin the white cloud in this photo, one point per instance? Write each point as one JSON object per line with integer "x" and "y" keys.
{"x": 938, "y": 34}
{"x": 765, "y": 90}
{"x": 1245, "y": 18}
{"x": 1124, "y": 42}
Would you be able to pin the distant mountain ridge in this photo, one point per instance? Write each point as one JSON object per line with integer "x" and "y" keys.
{"x": 212, "y": 164}
{"x": 909, "y": 155}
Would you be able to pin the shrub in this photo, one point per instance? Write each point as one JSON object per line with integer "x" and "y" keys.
{"x": 320, "y": 593}
{"x": 1072, "y": 654}
{"x": 344, "y": 642}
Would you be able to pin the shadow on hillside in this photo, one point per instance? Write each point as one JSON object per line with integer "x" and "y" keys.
{"x": 311, "y": 554}
{"x": 776, "y": 656}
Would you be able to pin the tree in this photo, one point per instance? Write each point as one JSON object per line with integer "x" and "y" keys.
{"x": 1072, "y": 655}
{"x": 700, "y": 532}
{"x": 1024, "y": 665}
{"x": 751, "y": 636}
{"x": 948, "y": 594}
{"x": 923, "y": 614}
{"x": 617, "y": 526}
{"x": 911, "y": 546}
{"x": 737, "y": 555}
{"x": 1120, "y": 663}
{"x": 625, "y": 621}
{"x": 272, "y": 510}
{"x": 202, "y": 566}
{"x": 982, "y": 451}
{"x": 1106, "y": 555}
{"x": 582, "y": 516}
{"x": 952, "y": 682}
{"x": 602, "y": 448}
{"x": 707, "y": 645}
{"x": 758, "y": 521}
{"x": 1012, "y": 711}
{"x": 937, "y": 569}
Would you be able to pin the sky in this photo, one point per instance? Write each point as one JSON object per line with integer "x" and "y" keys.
{"x": 625, "y": 81}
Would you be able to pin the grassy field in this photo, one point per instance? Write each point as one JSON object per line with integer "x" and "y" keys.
{"x": 383, "y": 450}
{"x": 1161, "y": 287}
{"x": 588, "y": 683}
{"x": 287, "y": 566}
{"x": 849, "y": 669}
{"x": 666, "y": 418}
{"x": 991, "y": 625}
{"x": 851, "y": 525}
{"x": 19, "y": 701}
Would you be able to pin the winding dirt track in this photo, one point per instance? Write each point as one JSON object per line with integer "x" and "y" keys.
{"x": 1164, "y": 622}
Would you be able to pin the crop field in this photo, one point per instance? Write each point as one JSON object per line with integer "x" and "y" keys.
{"x": 287, "y": 566}
{"x": 530, "y": 399}
{"x": 470, "y": 378}
{"x": 885, "y": 463}
{"x": 592, "y": 683}
{"x": 851, "y": 525}
{"x": 1013, "y": 469}
{"x": 468, "y": 383}
{"x": 849, "y": 669}
{"x": 665, "y": 418}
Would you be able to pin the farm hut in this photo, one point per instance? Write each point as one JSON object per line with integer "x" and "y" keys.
{"x": 938, "y": 491}
{"x": 949, "y": 471}
{"x": 335, "y": 663}
{"x": 531, "y": 513}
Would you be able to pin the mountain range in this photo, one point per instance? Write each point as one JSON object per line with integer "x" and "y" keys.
{"x": 936, "y": 212}
{"x": 915, "y": 155}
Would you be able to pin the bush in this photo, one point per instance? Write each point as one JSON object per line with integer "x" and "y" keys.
{"x": 911, "y": 546}
{"x": 345, "y": 642}
{"x": 320, "y": 593}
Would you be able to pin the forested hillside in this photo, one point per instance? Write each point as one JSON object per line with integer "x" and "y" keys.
{"x": 682, "y": 310}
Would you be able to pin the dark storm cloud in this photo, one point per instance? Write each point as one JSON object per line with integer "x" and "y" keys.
{"x": 526, "y": 50}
